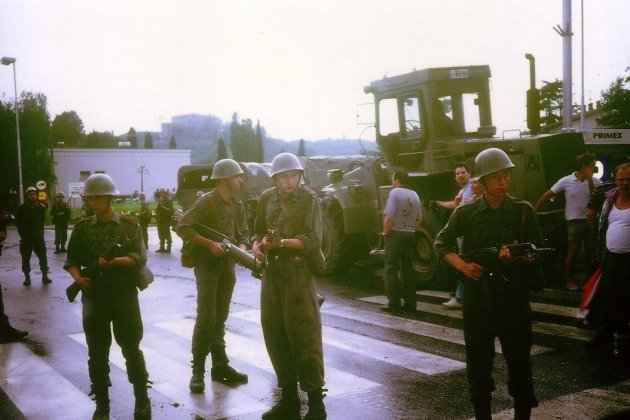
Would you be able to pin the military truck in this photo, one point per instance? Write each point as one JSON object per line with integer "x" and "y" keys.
{"x": 426, "y": 121}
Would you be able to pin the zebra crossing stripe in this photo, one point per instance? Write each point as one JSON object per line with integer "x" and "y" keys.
{"x": 567, "y": 331}
{"x": 439, "y": 332}
{"x": 171, "y": 377}
{"x": 426, "y": 363}
{"x": 254, "y": 352}
{"x": 37, "y": 390}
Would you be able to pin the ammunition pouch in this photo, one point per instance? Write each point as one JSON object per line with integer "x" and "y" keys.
{"x": 188, "y": 258}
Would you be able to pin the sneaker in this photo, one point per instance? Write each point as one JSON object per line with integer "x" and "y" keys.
{"x": 452, "y": 304}
{"x": 11, "y": 335}
{"x": 285, "y": 409}
{"x": 197, "y": 385}
{"x": 227, "y": 374}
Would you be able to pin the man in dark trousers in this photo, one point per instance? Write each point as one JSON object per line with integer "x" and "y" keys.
{"x": 29, "y": 221}
{"x": 214, "y": 272}
{"x": 144, "y": 218}
{"x": 164, "y": 217}
{"x": 496, "y": 291}
{"x": 60, "y": 216}
{"x": 8, "y": 334}
{"x": 104, "y": 253}
{"x": 286, "y": 234}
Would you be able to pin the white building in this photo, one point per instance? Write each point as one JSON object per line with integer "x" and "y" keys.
{"x": 142, "y": 170}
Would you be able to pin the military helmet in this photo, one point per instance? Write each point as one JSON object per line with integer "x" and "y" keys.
{"x": 29, "y": 189}
{"x": 99, "y": 184}
{"x": 226, "y": 168}
{"x": 61, "y": 194}
{"x": 491, "y": 160}
{"x": 285, "y": 162}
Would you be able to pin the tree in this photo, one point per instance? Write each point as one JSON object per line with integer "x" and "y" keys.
{"x": 616, "y": 104}
{"x": 551, "y": 104}
{"x": 132, "y": 138}
{"x": 221, "y": 150}
{"x": 243, "y": 139}
{"x": 302, "y": 148}
{"x": 8, "y": 150}
{"x": 67, "y": 128}
{"x": 97, "y": 140}
{"x": 35, "y": 138}
{"x": 148, "y": 141}
{"x": 172, "y": 143}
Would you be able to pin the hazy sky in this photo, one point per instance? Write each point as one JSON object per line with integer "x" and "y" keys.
{"x": 297, "y": 66}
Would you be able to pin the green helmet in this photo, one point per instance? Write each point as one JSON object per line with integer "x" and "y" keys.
{"x": 29, "y": 189}
{"x": 491, "y": 160}
{"x": 99, "y": 184}
{"x": 226, "y": 168}
{"x": 285, "y": 162}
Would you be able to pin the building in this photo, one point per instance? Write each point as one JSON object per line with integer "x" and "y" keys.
{"x": 142, "y": 170}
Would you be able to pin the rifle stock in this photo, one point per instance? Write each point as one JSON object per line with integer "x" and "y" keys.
{"x": 73, "y": 290}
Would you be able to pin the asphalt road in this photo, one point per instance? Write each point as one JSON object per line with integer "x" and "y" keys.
{"x": 378, "y": 366}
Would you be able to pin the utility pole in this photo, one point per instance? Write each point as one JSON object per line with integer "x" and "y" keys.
{"x": 566, "y": 33}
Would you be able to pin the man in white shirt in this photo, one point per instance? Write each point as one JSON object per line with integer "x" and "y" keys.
{"x": 577, "y": 189}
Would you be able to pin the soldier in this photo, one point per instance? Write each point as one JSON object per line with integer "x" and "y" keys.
{"x": 164, "y": 217}
{"x": 214, "y": 272}
{"x": 286, "y": 232}
{"x": 60, "y": 216}
{"x": 496, "y": 301}
{"x": 110, "y": 297}
{"x": 144, "y": 218}
{"x": 29, "y": 221}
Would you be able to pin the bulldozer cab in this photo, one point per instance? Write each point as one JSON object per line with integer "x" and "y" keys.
{"x": 419, "y": 114}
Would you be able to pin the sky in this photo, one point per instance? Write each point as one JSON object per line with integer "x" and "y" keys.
{"x": 299, "y": 67}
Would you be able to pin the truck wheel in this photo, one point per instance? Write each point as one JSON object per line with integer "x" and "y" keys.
{"x": 340, "y": 250}
{"x": 426, "y": 261}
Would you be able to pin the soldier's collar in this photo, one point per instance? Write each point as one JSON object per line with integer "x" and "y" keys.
{"x": 115, "y": 218}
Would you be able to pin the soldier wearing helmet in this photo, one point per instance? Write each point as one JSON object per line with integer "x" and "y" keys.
{"x": 164, "y": 218}
{"x": 29, "y": 221}
{"x": 214, "y": 272}
{"x": 495, "y": 305}
{"x": 105, "y": 252}
{"x": 286, "y": 231}
{"x": 60, "y": 216}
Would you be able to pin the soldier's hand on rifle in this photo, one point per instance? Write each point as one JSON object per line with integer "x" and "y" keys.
{"x": 258, "y": 251}
{"x": 271, "y": 242}
{"x": 217, "y": 249}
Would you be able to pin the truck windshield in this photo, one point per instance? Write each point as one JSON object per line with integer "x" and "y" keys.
{"x": 404, "y": 112}
{"x": 456, "y": 114}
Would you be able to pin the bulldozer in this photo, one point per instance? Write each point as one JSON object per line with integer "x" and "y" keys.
{"x": 426, "y": 121}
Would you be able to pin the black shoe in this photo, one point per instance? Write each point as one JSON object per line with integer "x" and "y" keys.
{"x": 316, "y": 412}
{"x": 600, "y": 343}
{"x": 227, "y": 374}
{"x": 410, "y": 309}
{"x": 46, "y": 279}
{"x": 391, "y": 309}
{"x": 11, "y": 335}
{"x": 27, "y": 280}
{"x": 101, "y": 412}
{"x": 285, "y": 409}
{"x": 57, "y": 251}
{"x": 160, "y": 250}
{"x": 197, "y": 384}
{"x": 63, "y": 249}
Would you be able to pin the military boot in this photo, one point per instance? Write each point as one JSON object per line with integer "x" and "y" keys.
{"x": 168, "y": 249}
{"x": 101, "y": 397}
{"x": 221, "y": 370}
{"x": 197, "y": 384}
{"x": 46, "y": 279}
{"x": 142, "y": 409}
{"x": 316, "y": 409}
{"x": 27, "y": 279}
{"x": 57, "y": 249}
{"x": 482, "y": 410}
{"x": 161, "y": 249}
{"x": 288, "y": 408}
{"x": 63, "y": 248}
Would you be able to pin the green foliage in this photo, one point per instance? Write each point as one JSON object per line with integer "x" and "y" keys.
{"x": 260, "y": 147}
{"x": 243, "y": 140}
{"x": 97, "y": 140}
{"x": 616, "y": 104}
{"x": 35, "y": 138}
{"x": 148, "y": 141}
{"x": 67, "y": 127}
{"x": 550, "y": 104}
{"x": 221, "y": 150}
{"x": 132, "y": 138}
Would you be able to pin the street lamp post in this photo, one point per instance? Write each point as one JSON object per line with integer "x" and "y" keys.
{"x": 6, "y": 61}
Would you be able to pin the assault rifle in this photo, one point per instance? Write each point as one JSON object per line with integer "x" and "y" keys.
{"x": 93, "y": 271}
{"x": 489, "y": 257}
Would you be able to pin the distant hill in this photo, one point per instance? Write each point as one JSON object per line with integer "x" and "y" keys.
{"x": 200, "y": 133}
